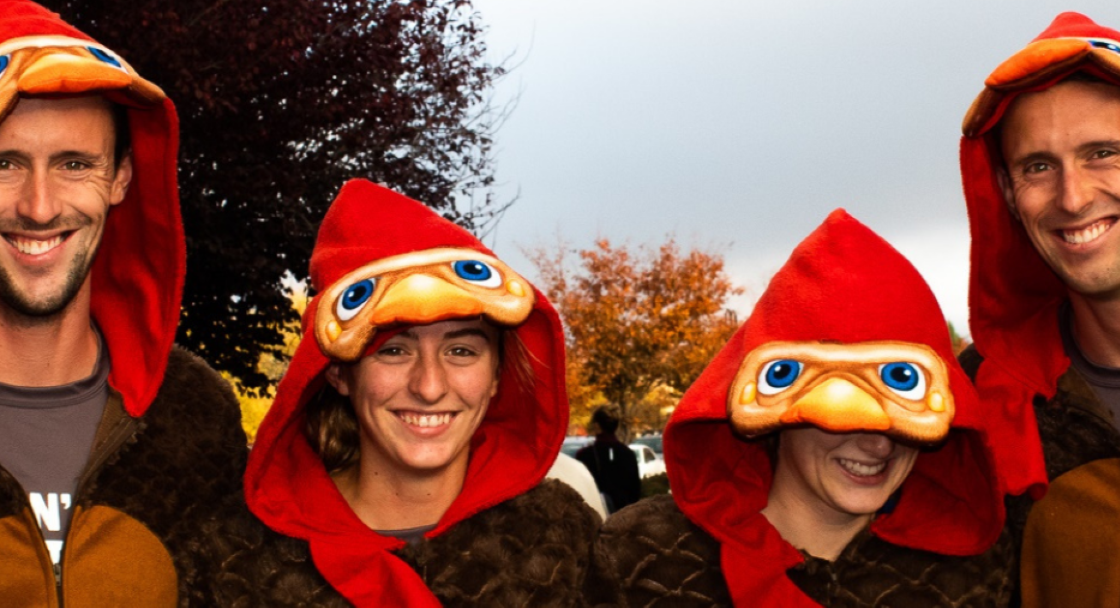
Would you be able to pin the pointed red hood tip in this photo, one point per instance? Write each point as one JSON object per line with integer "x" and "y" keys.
{"x": 137, "y": 278}
{"x": 19, "y": 18}
{"x": 368, "y": 222}
{"x": 844, "y": 272}
{"x": 1076, "y": 25}
{"x": 286, "y": 484}
{"x": 842, "y": 283}
{"x": 1013, "y": 295}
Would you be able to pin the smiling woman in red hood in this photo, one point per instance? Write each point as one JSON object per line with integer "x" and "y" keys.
{"x": 846, "y": 344}
{"x": 402, "y": 460}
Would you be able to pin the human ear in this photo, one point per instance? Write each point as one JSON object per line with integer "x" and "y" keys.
{"x": 121, "y": 179}
{"x": 1005, "y": 187}
{"x": 339, "y": 379}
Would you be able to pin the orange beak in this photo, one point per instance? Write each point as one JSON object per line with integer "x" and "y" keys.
{"x": 1037, "y": 58}
{"x": 420, "y": 299}
{"x": 839, "y": 406}
{"x": 53, "y": 70}
{"x": 69, "y": 70}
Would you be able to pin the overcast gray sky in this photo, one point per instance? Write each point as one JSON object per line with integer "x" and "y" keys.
{"x": 740, "y": 124}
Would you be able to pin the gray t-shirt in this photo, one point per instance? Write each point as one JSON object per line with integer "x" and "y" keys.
{"x": 46, "y": 435}
{"x": 1105, "y": 381}
{"x": 412, "y": 536}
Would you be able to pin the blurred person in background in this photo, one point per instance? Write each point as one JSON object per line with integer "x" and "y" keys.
{"x": 611, "y": 462}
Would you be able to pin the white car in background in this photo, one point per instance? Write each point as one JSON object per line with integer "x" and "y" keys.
{"x": 649, "y": 463}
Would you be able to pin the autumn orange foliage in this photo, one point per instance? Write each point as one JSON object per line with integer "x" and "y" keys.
{"x": 640, "y": 323}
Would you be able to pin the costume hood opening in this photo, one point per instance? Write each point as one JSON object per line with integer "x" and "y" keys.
{"x": 137, "y": 277}
{"x": 1014, "y": 296}
{"x": 368, "y": 233}
{"x": 843, "y": 287}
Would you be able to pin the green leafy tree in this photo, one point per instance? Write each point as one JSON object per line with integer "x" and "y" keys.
{"x": 280, "y": 102}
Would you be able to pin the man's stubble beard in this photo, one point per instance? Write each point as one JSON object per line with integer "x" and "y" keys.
{"x": 39, "y": 312}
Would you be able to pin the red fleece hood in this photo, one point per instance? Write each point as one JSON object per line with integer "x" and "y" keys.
{"x": 1013, "y": 295}
{"x": 286, "y": 484}
{"x": 137, "y": 278}
{"x": 843, "y": 284}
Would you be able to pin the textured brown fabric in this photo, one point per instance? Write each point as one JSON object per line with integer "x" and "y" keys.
{"x": 532, "y": 550}
{"x": 650, "y": 555}
{"x": 113, "y": 560}
{"x": 1075, "y": 561}
{"x": 873, "y": 572}
{"x": 1075, "y": 429}
{"x": 167, "y": 471}
{"x": 25, "y": 576}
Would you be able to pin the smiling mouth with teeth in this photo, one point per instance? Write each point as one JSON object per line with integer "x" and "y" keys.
{"x": 29, "y": 246}
{"x": 1087, "y": 234}
{"x": 861, "y": 470}
{"x": 425, "y": 420}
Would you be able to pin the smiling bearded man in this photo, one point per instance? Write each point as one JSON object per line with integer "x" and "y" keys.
{"x": 59, "y": 175}
{"x": 1040, "y": 159}
{"x": 114, "y": 445}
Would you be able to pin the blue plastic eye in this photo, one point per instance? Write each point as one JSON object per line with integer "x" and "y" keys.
{"x": 906, "y": 379}
{"x": 1101, "y": 44}
{"x": 777, "y": 376}
{"x": 4, "y": 61}
{"x": 354, "y": 298}
{"x": 105, "y": 57}
{"x": 477, "y": 272}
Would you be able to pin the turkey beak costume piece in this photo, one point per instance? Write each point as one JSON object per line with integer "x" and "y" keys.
{"x": 137, "y": 276}
{"x": 1014, "y": 296}
{"x": 846, "y": 337}
{"x": 382, "y": 260}
{"x": 417, "y": 289}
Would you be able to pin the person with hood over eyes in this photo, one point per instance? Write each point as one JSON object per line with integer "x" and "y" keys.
{"x": 833, "y": 453}
{"x": 1040, "y": 160}
{"x": 402, "y": 461}
{"x": 115, "y": 446}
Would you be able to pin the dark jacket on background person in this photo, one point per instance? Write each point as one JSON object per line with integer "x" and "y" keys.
{"x": 169, "y": 446}
{"x": 615, "y": 469}
{"x": 937, "y": 541}
{"x": 508, "y": 539}
{"x": 1064, "y": 438}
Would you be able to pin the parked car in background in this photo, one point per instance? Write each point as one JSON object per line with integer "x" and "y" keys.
{"x": 653, "y": 441}
{"x": 572, "y": 444}
{"x": 649, "y": 463}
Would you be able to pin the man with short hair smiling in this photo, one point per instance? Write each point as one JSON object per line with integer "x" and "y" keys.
{"x": 114, "y": 445}
{"x": 1040, "y": 160}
